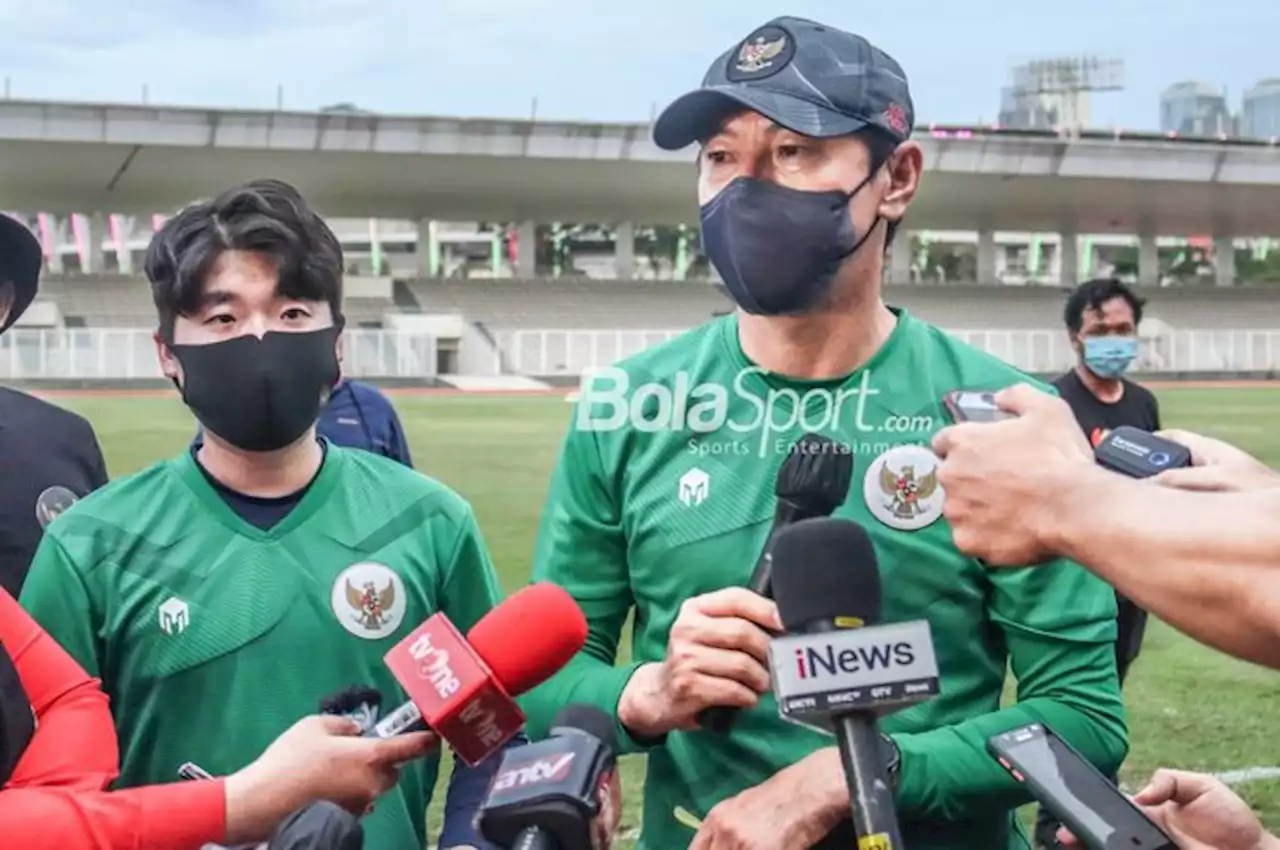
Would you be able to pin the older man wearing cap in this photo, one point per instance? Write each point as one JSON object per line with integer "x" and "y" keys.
{"x": 659, "y": 510}
{"x": 49, "y": 457}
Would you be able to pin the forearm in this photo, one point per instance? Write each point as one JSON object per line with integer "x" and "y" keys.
{"x": 1206, "y": 563}
{"x": 170, "y": 817}
{"x": 468, "y": 787}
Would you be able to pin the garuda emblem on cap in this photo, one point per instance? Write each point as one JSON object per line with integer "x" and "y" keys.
{"x": 758, "y": 54}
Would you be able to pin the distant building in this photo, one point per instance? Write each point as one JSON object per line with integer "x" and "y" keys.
{"x": 1195, "y": 109}
{"x": 1260, "y": 111}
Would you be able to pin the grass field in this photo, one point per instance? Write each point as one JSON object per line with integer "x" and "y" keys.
{"x": 1189, "y": 706}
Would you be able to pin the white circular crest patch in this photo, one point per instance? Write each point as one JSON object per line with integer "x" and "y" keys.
{"x": 368, "y": 599}
{"x": 902, "y": 489}
{"x": 51, "y": 503}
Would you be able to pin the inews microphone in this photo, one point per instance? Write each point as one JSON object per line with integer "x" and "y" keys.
{"x": 812, "y": 482}
{"x": 463, "y": 688}
{"x": 558, "y": 793}
{"x": 838, "y": 668}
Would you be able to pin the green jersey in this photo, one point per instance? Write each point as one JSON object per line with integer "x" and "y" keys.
{"x": 665, "y": 490}
{"x": 212, "y": 637}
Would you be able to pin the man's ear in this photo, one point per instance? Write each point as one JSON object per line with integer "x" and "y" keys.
{"x": 905, "y": 168}
{"x": 169, "y": 364}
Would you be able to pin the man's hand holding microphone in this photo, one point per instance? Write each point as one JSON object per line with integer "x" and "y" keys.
{"x": 318, "y": 758}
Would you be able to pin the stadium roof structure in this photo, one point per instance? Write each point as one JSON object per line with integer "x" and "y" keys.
{"x": 63, "y": 157}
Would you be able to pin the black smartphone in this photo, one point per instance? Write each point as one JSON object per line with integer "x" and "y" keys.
{"x": 1139, "y": 454}
{"x": 973, "y": 406}
{"x": 1075, "y": 791}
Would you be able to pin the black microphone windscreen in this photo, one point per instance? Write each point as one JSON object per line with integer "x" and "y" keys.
{"x": 589, "y": 719}
{"x": 816, "y": 474}
{"x": 824, "y": 570}
{"x": 351, "y": 699}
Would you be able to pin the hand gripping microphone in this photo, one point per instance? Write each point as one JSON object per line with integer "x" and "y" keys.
{"x": 812, "y": 482}
{"x": 463, "y": 689}
{"x": 837, "y": 667}
{"x": 556, "y": 794}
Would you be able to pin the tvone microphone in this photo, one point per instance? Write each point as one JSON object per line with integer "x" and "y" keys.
{"x": 837, "y": 668}
{"x": 556, "y": 794}
{"x": 462, "y": 689}
{"x": 812, "y": 482}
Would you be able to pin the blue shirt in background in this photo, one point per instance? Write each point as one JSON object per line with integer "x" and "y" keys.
{"x": 359, "y": 416}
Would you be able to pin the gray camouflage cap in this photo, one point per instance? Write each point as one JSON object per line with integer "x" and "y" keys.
{"x": 808, "y": 77}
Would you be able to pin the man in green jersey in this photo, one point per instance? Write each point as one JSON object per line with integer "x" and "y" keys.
{"x": 222, "y": 594}
{"x": 664, "y": 492}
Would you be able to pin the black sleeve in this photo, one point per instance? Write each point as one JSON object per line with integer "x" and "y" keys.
{"x": 91, "y": 454}
{"x": 1155, "y": 411}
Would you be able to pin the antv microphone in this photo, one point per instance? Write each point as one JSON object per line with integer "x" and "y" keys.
{"x": 463, "y": 688}
{"x": 837, "y": 667}
{"x": 556, "y": 794}
{"x": 812, "y": 482}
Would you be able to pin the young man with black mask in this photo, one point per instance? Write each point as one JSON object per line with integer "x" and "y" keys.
{"x": 221, "y": 594}
{"x": 1102, "y": 318}
{"x": 49, "y": 457}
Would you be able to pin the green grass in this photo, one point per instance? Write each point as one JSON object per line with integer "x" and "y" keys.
{"x": 1189, "y": 706}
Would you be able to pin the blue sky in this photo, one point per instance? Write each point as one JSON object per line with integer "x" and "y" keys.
{"x": 596, "y": 59}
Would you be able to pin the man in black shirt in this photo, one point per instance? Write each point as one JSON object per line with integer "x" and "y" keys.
{"x": 1102, "y": 318}
{"x": 49, "y": 457}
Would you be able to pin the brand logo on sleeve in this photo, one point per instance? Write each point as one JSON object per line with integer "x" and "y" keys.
{"x": 369, "y": 600}
{"x": 51, "y": 503}
{"x": 175, "y": 616}
{"x": 902, "y": 489}
{"x": 695, "y": 486}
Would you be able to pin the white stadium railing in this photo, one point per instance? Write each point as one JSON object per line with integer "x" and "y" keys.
{"x": 107, "y": 354}
{"x": 571, "y": 352}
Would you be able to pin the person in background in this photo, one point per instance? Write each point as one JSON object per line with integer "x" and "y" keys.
{"x": 49, "y": 457}
{"x": 359, "y": 416}
{"x": 1102, "y": 318}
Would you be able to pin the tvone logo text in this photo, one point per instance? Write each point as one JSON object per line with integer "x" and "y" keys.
{"x": 433, "y": 665}
{"x": 812, "y": 662}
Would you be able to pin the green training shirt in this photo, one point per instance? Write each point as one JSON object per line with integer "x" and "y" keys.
{"x": 675, "y": 497}
{"x": 212, "y": 637}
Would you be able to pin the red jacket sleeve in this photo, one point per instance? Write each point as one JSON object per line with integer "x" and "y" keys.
{"x": 182, "y": 816}
{"x": 74, "y": 745}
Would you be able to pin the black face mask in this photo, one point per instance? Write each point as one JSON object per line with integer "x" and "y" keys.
{"x": 260, "y": 395}
{"x": 778, "y": 249}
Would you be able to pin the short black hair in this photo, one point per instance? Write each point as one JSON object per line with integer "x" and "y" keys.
{"x": 267, "y": 217}
{"x": 1092, "y": 294}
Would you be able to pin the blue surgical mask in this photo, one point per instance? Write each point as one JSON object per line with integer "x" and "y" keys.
{"x": 1109, "y": 356}
{"x": 778, "y": 249}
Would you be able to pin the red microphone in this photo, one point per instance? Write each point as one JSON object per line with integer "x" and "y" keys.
{"x": 463, "y": 688}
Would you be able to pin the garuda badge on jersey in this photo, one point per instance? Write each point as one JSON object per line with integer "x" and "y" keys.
{"x": 902, "y": 489}
{"x": 369, "y": 600}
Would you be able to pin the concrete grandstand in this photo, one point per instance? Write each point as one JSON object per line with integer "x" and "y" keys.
{"x": 451, "y": 331}
{"x": 125, "y": 163}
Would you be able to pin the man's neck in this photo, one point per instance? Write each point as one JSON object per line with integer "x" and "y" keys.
{"x": 816, "y": 347}
{"x": 1107, "y": 390}
{"x": 266, "y": 475}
